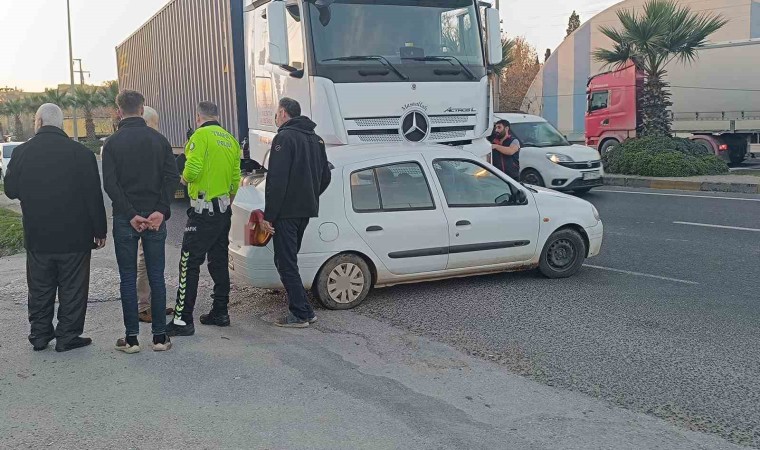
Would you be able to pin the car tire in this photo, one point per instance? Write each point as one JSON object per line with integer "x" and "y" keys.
{"x": 343, "y": 282}
{"x": 563, "y": 255}
{"x": 608, "y": 145}
{"x": 531, "y": 176}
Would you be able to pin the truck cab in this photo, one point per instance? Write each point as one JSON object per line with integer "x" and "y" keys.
{"x": 373, "y": 72}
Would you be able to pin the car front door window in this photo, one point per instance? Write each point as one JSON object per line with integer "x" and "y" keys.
{"x": 466, "y": 185}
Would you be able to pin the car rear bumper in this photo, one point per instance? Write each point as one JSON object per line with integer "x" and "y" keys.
{"x": 595, "y": 237}
{"x": 255, "y": 266}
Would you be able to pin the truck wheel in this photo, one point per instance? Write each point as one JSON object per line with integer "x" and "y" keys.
{"x": 563, "y": 255}
{"x": 343, "y": 282}
{"x": 608, "y": 145}
{"x": 531, "y": 176}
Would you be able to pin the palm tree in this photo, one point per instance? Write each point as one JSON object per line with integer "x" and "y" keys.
{"x": 87, "y": 100}
{"x": 664, "y": 32}
{"x": 507, "y": 58}
{"x": 108, "y": 94}
{"x": 15, "y": 108}
{"x": 56, "y": 97}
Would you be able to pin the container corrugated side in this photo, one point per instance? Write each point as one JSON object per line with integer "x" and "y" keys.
{"x": 182, "y": 55}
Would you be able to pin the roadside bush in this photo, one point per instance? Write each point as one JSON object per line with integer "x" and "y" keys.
{"x": 11, "y": 233}
{"x": 662, "y": 157}
{"x": 93, "y": 145}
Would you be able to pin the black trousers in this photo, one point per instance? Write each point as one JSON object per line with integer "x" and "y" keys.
{"x": 67, "y": 276}
{"x": 287, "y": 243}
{"x": 206, "y": 235}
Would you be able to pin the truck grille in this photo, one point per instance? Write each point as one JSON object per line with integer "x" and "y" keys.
{"x": 582, "y": 165}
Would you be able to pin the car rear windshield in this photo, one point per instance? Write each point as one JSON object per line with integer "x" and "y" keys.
{"x": 8, "y": 150}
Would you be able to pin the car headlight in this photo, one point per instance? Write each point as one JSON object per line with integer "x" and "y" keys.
{"x": 557, "y": 158}
{"x": 596, "y": 213}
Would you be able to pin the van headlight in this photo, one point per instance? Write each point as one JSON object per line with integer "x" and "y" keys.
{"x": 596, "y": 213}
{"x": 558, "y": 158}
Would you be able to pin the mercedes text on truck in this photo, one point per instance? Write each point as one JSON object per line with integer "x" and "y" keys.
{"x": 716, "y": 102}
{"x": 386, "y": 71}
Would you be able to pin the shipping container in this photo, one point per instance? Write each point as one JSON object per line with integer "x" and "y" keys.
{"x": 189, "y": 51}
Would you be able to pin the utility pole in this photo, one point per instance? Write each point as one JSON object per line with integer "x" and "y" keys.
{"x": 71, "y": 71}
{"x": 81, "y": 72}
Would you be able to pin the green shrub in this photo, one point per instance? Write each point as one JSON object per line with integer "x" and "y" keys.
{"x": 662, "y": 157}
{"x": 11, "y": 232}
{"x": 93, "y": 145}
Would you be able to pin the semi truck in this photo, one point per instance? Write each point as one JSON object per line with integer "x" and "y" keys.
{"x": 714, "y": 103}
{"x": 381, "y": 71}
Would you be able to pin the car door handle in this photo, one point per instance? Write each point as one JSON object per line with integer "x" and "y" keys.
{"x": 372, "y": 228}
{"x": 463, "y": 223}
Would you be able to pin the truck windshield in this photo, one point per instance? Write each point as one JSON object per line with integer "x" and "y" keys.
{"x": 436, "y": 40}
{"x": 538, "y": 134}
{"x": 8, "y": 150}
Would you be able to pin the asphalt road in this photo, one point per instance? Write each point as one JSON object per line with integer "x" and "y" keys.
{"x": 666, "y": 322}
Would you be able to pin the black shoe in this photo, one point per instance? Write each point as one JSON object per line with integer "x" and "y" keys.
{"x": 172, "y": 329}
{"x": 77, "y": 342}
{"x": 292, "y": 322}
{"x": 215, "y": 318}
{"x": 41, "y": 346}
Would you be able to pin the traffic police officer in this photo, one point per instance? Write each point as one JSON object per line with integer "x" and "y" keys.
{"x": 212, "y": 175}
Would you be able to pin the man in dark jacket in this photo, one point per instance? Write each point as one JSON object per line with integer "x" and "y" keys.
{"x": 140, "y": 175}
{"x": 58, "y": 183}
{"x": 298, "y": 174}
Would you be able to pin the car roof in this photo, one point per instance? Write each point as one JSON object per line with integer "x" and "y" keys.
{"x": 519, "y": 117}
{"x": 344, "y": 155}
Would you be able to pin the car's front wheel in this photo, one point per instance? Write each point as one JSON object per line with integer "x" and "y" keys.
{"x": 563, "y": 255}
{"x": 343, "y": 282}
{"x": 531, "y": 176}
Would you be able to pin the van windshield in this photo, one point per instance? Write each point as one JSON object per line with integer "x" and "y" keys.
{"x": 538, "y": 134}
{"x": 416, "y": 37}
{"x": 8, "y": 150}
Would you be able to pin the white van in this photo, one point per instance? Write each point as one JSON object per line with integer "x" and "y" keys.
{"x": 548, "y": 160}
{"x": 6, "y": 150}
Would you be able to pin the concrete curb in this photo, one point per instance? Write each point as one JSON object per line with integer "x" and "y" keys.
{"x": 681, "y": 185}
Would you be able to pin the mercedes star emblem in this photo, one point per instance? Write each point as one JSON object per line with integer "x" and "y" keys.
{"x": 414, "y": 126}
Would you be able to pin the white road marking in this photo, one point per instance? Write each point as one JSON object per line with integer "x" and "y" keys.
{"x": 639, "y": 274}
{"x": 679, "y": 195}
{"x": 724, "y": 227}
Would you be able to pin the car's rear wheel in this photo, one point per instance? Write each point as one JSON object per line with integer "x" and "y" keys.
{"x": 343, "y": 282}
{"x": 531, "y": 176}
{"x": 563, "y": 255}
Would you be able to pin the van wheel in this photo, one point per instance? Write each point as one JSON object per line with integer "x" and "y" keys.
{"x": 531, "y": 176}
{"x": 608, "y": 145}
{"x": 343, "y": 282}
{"x": 563, "y": 254}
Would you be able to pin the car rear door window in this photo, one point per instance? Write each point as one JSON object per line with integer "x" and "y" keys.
{"x": 394, "y": 187}
{"x": 466, "y": 184}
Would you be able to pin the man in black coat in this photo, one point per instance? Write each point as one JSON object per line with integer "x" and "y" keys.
{"x": 58, "y": 183}
{"x": 298, "y": 174}
{"x": 140, "y": 175}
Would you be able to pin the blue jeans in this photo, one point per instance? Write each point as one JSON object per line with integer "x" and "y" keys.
{"x": 154, "y": 245}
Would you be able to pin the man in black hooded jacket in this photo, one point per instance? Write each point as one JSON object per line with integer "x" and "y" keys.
{"x": 298, "y": 174}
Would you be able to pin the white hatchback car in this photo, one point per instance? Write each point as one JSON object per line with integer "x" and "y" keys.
{"x": 547, "y": 159}
{"x": 409, "y": 213}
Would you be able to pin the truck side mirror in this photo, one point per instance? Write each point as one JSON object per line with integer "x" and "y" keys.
{"x": 493, "y": 29}
{"x": 278, "y": 33}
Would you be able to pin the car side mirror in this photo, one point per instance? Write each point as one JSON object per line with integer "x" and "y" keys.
{"x": 520, "y": 197}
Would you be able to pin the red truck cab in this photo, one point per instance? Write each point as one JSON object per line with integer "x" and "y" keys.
{"x": 612, "y": 110}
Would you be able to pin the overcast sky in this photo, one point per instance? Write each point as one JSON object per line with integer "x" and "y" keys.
{"x": 35, "y": 48}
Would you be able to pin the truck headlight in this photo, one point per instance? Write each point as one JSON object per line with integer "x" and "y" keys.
{"x": 557, "y": 158}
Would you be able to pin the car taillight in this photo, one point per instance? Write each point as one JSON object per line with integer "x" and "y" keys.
{"x": 723, "y": 147}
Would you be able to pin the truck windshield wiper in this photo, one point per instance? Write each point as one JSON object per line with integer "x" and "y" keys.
{"x": 448, "y": 59}
{"x": 381, "y": 59}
